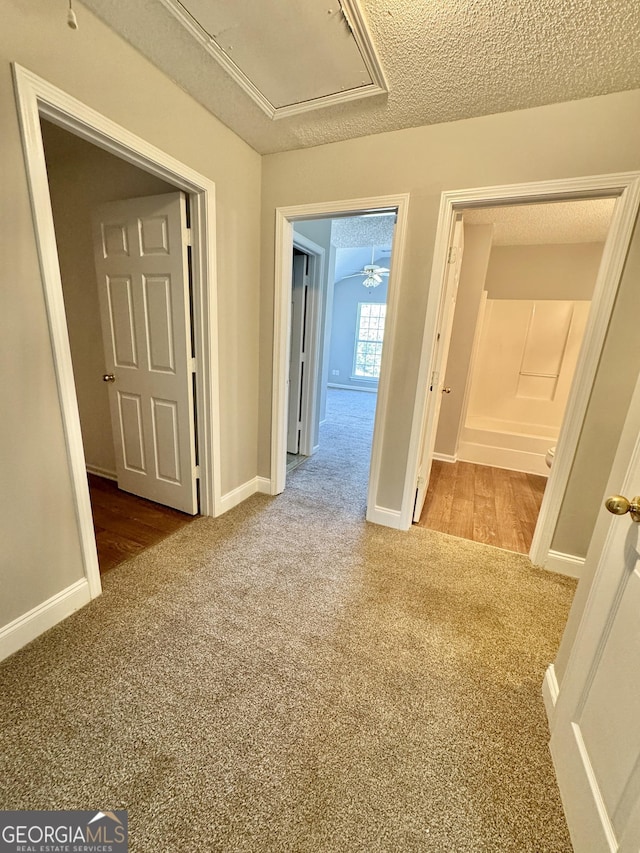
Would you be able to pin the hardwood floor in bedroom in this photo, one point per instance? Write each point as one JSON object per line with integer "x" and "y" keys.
{"x": 126, "y": 524}
{"x": 490, "y": 505}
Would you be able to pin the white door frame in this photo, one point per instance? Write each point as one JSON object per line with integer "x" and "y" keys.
{"x": 285, "y": 217}
{"x": 626, "y": 186}
{"x": 36, "y": 98}
{"x": 315, "y": 299}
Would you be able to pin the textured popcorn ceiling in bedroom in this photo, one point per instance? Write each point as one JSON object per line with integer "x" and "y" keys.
{"x": 443, "y": 60}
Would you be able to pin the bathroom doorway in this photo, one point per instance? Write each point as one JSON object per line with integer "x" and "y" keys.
{"x": 524, "y": 296}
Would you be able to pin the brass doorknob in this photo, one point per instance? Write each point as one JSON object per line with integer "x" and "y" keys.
{"x": 446, "y": 390}
{"x": 108, "y": 377}
{"x": 619, "y": 505}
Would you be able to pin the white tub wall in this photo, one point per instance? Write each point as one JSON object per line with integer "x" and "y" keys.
{"x": 563, "y": 271}
{"x": 512, "y": 419}
{"x": 523, "y": 344}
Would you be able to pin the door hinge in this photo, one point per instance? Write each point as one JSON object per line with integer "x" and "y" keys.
{"x": 453, "y": 254}
{"x": 434, "y": 380}
{"x": 420, "y": 482}
{"x": 187, "y": 237}
{"x": 193, "y": 365}
{"x": 196, "y": 472}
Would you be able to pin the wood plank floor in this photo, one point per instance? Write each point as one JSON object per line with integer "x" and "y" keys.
{"x": 125, "y": 524}
{"x": 490, "y": 505}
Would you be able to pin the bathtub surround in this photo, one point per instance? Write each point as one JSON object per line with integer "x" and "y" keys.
{"x": 338, "y": 687}
{"x": 520, "y": 381}
{"x": 512, "y": 274}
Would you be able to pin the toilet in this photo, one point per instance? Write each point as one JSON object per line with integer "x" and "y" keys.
{"x": 551, "y": 452}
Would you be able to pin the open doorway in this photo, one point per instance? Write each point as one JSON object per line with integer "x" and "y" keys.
{"x": 39, "y": 100}
{"x": 82, "y": 179}
{"x": 340, "y": 271}
{"x": 526, "y": 284}
{"x": 290, "y": 223}
{"x": 623, "y": 189}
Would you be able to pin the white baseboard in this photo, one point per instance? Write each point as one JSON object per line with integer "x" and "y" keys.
{"x": 550, "y": 692}
{"x": 39, "y": 619}
{"x": 445, "y": 457}
{"x": 353, "y": 388}
{"x": 263, "y": 485}
{"x": 236, "y": 496}
{"x": 386, "y": 517}
{"x": 503, "y": 457}
{"x": 102, "y": 472}
{"x": 564, "y": 564}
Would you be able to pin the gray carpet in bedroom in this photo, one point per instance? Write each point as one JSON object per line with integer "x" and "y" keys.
{"x": 290, "y": 678}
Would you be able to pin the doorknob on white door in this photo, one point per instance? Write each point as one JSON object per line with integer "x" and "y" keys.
{"x": 108, "y": 377}
{"x": 619, "y": 505}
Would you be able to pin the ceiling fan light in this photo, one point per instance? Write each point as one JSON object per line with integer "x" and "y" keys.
{"x": 372, "y": 281}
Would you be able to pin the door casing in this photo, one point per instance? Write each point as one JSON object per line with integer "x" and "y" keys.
{"x": 626, "y": 187}
{"x": 36, "y": 98}
{"x": 285, "y": 217}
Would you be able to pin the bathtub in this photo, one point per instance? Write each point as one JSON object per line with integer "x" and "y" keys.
{"x": 506, "y": 444}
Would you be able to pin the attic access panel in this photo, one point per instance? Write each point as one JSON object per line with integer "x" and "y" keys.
{"x": 289, "y": 57}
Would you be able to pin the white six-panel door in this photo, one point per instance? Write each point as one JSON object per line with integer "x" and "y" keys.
{"x": 141, "y": 260}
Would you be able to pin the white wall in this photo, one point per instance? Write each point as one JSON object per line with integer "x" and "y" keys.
{"x": 82, "y": 176}
{"x": 41, "y": 555}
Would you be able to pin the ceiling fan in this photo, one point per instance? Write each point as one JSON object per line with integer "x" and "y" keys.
{"x": 372, "y": 272}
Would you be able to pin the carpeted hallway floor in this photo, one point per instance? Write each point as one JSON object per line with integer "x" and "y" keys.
{"x": 290, "y": 678}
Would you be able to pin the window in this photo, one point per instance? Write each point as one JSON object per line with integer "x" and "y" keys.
{"x": 369, "y": 335}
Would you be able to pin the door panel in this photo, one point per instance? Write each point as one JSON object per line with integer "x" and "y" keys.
{"x": 130, "y": 409}
{"x": 142, "y": 270}
{"x": 166, "y": 440}
{"x": 299, "y": 285}
{"x": 596, "y": 731}
{"x": 439, "y": 364}
{"x": 158, "y": 311}
{"x": 122, "y": 328}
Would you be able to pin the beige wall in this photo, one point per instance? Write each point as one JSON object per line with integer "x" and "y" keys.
{"x": 564, "y": 271}
{"x": 475, "y": 260}
{"x": 592, "y": 136}
{"x": 82, "y": 176}
{"x": 608, "y": 405}
{"x": 42, "y": 555}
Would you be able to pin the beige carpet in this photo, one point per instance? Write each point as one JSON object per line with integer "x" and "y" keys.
{"x": 289, "y": 678}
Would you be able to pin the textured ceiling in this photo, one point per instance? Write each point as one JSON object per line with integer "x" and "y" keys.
{"x": 357, "y": 231}
{"x": 557, "y": 222}
{"x": 444, "y": 60}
